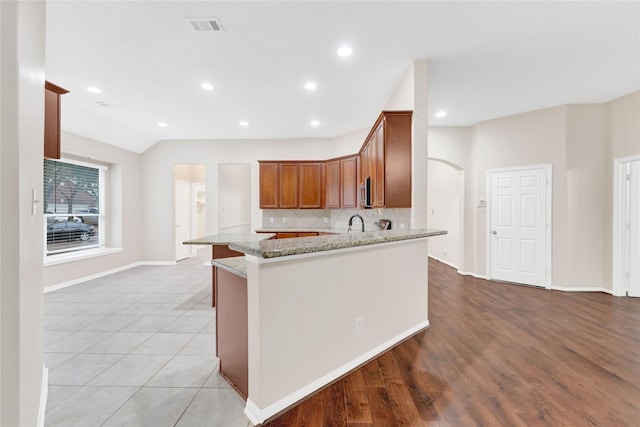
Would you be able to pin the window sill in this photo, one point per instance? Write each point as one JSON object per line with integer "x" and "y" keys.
{"x": 78, "y": 256}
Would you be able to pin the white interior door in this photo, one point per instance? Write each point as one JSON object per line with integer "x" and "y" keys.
{"x": 518, "y": 225}
{"x": 182, "y": 218}
{"x": 633, "y": 227}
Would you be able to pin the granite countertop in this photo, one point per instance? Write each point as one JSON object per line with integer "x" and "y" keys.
{"x": 226, "y": 239}
{"x": 236, "y": 265}
{"x": 305, "y": 245}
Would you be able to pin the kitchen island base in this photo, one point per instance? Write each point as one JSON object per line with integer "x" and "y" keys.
{"x": 313, "y": 318}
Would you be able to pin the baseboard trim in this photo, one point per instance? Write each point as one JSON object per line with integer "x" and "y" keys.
{"x": 257, "y": 416}
{"x": 104, "y": 273}
{"x": 468, "y": 273}
{"x": 582, "y": 289}
{"x": 44, "y": 394}
{"x": 444, "y": 262}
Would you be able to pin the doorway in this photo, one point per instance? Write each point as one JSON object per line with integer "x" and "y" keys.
{"x": 626, "y": 227}
{"x": 445, "y": 201}
{"x": 520, "y": 225}
{"x": 189, "y": 208}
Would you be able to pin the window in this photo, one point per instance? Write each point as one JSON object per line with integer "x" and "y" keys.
{"x": 73, "y": 202}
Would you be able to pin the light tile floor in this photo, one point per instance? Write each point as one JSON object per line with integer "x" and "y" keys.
{"x": 137, "y": 348}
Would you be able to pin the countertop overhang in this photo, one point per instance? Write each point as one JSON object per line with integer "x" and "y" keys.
{"x": 228, "y": 238}
{"x": 305, "y": 245}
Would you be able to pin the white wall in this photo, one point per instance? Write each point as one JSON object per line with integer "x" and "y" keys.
{"x": 586, "y": 197}
{"x": 580, "y": 141}
{"x": 21, "y": 131}
{"x": 234, "y": 197}
{"x": 124, "y": 209}
{"x": 533, "y": 138}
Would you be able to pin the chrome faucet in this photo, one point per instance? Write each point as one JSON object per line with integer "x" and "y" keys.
{"x": 351, "y": 222}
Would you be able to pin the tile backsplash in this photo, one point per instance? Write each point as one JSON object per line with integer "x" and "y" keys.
{"x": 333, "y": 218}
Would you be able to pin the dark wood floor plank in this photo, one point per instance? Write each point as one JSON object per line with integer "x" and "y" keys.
{"x": 310, "y": 411}
{"x": 334, "y": 408}
{"x": 356, "y": 399}
{"x": 496, "y": 354}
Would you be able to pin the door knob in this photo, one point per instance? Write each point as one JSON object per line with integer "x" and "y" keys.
{"x": 494, "y": 232}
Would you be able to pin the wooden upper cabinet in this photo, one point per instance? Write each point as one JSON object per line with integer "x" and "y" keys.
{"x": 349, "y": 182}
{"x": 312, "y": 185}
{"x": 342, "y": 182}
{"x": 269, "y": 185}
{"x": 379, "y": 156}
{"x": 292, "y": 185}
{"x": 386, "y": 159}
{"x": 288, "y": 185}
{"x": 332, "y": 170}
{"x": 52, "y": 95}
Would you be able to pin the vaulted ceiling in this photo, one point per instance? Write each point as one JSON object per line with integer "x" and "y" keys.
{"x": 486, "y": 60}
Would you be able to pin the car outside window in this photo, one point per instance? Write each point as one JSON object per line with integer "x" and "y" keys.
{"x": 73, "y": 202}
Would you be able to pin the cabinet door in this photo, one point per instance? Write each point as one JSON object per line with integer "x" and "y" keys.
{"x": 269, "y": 186}
{"x": 311, "y": 185}
{"x": 51, "y": 124}
{"x": 397, "y": 160}
{"x": 332, "y": 170}
{"x": 288, "y": 185}
{"x": 378, "y": 156}
{"x": 348, "y": 183}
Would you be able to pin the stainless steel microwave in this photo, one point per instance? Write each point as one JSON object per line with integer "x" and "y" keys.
{"x": 365, "y": 193}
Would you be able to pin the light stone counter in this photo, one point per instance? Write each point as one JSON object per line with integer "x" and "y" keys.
{"x": 305, "y": 245}
{"x": 226, "y": 239}
{"x": 235, "y": 265}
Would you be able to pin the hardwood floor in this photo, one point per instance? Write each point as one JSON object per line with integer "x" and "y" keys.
{"x": 496, "y": 354}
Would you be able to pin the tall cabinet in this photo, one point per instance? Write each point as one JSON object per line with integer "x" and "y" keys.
{"x": 386, "y": 160}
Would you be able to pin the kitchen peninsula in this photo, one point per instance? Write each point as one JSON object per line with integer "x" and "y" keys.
{"x": 220, "y": 249}
{"x": 316, "y": 308}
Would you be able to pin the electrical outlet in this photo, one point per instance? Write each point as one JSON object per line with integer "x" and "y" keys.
{"x": 359, "y": 325}
{"x": 271, "y": 220}
{"x": 284, "y": 219}
{"x": 326, "y": 220}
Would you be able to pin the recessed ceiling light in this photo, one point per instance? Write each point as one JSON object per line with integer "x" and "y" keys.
{"x": 94, "y": 89}
{"x": 162, "y": 124}
{"x": 206, "y": 86}
{"x": 310, "y": 86}
{"x": 441, "y": 113}
{"x": 314, "y": 123}
{"x": 345, "y": 51}
{"x": 243, "y": 123}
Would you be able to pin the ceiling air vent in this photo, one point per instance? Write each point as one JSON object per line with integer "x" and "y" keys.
{"x": 205, "y": 25}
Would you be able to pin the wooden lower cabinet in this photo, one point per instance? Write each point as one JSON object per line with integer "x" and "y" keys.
{"x": 288, "y": 235}
{"x": 219, "y": 251}
{"x": 232, "y": 330}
